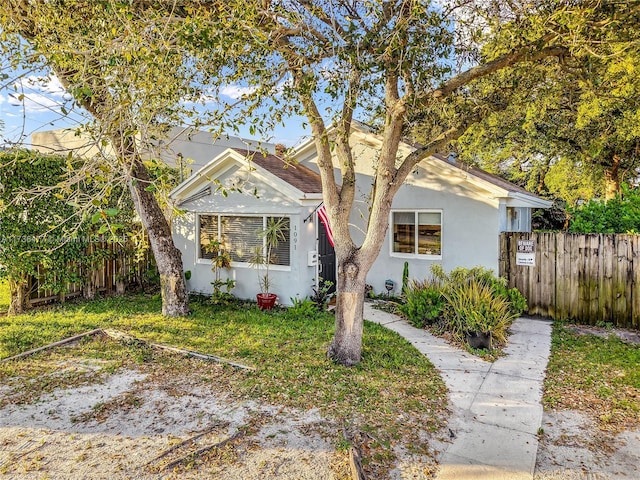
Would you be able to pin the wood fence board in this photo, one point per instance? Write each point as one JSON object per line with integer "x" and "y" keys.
{"x": 562, "y": 278}
{"x": 605, "y": 286}
{"x": 546, "y": 300}
{"x": 587, "y": 278}
{"x": 635, "y": 284}
{"x": 629, "y": 281}
{"x": 592, "y": 275}
{"x": 117, "y": 265}
{"x": 620, "y": 277}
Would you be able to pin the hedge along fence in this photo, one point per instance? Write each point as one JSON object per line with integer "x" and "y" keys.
{"x": 115, "y": 267}
{"x": 588, "y": 278}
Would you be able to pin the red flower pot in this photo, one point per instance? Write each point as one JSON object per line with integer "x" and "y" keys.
{"x": 266, "y": 301}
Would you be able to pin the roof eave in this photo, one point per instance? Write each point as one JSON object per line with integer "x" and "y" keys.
{"x": 532, "y": 201}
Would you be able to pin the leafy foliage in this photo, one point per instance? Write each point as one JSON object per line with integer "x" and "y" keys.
{"x": 618, "y": 215}
{"x": 322, "y": 294}
{"x": 45, "y": 234}
{"x": 473, "y": 306}
{"x": 463, "y": 300}
{"x": 39, "y": 235}
{"x": 423, "y": 303}
{"x": 304, "y": 308}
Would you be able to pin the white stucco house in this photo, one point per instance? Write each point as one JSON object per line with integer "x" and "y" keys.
{"x": 446, "y": 213}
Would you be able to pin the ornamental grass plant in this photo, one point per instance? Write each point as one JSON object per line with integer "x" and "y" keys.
{"x": 463, "y": 301}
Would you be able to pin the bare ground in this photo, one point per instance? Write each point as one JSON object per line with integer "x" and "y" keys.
{"x": 572, "y": 447}
{"x": 130, "y": 427}
{"x": 136, "y": 424}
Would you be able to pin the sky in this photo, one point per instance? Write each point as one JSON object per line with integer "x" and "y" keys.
{"x": 38, "y": 103}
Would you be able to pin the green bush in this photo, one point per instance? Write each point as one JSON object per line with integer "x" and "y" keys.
{"x": 618, "y": 215}
{"x": 303, "y": 308}
{"x": 423, "y": 302}
{"x": 461, "y": 276}
{"x": 464, "y": 300}
{"x": 473, "y": 306}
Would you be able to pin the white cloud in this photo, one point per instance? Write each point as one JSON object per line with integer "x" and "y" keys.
{"x": 34, "y": 102}
{"x": 37, "y": 94}
{"x": 48, "y": 85}
{"x": 236, "y": 91}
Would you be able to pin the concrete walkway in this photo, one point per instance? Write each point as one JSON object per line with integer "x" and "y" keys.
{"x": 496, "y": 406}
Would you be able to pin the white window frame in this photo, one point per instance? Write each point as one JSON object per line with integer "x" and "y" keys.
{"x": 421, "y": 256}
{"x": 234, "y": 264}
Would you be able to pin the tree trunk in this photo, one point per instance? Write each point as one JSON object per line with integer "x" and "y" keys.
{"x": 18, "y": 291}
{"x": 612, "y": 178}
{"x": 175, "y": 301}
{"x": 346, "y": 348}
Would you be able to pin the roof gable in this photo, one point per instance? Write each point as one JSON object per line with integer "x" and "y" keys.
{"x": 295, "y": 181}
{"x": 492, "y": 184}
{"x": 299, "y": 176}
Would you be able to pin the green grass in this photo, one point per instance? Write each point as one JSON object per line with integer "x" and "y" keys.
{"x": 4, "y": 296}
{"x": 598, "y": 376}
{"x": 393, "y": 394}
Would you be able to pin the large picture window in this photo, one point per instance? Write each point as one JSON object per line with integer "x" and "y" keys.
{"x": 239, "y": 236}
{"x": 417, "y": 232}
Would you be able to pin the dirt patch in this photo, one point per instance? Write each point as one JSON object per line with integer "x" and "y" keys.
{"x": 572, "y": 447}
{"x": 131, "y": 426}
{"x": 628, "y": 336}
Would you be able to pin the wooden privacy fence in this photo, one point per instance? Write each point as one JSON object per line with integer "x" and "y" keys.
{"x": 590, "y": 278}
{"x": 112, "y": 274}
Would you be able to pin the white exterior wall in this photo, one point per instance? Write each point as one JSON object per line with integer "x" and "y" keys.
{"x": 469, "y": 230}
{"x": 294, "y": 280}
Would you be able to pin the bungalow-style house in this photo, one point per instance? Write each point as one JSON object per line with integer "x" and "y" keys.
{"x": 446, "y": 213}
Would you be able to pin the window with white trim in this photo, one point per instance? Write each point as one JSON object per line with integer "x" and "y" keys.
{"x": 417, "y": 232}
{"x": 239, "y": 236}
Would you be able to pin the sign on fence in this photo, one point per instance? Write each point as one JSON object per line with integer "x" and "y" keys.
{"x": 526, "y": 253}
{"x": 589, "y": 278}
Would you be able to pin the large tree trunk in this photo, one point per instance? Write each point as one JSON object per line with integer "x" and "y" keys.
{"x": 612, "y": 178}
{"x": 18, "y": 292}
{"x": 346, "y": 348}
{"x": 175, "y": 301}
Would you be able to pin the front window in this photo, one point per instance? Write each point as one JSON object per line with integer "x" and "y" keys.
{"x": 417, "y": 232}
{"x": 239, "y": 236}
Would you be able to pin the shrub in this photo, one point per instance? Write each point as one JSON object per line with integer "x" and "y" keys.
{"x": 618, "y": 215}
{"x": 473, "y": 305}
{"x": 498, "y": 285}
{"x": 322, "y": 294}
{"x": 423, "y": 302}
{"x": 303, "y": 308}
{"x": 465, "y": 300}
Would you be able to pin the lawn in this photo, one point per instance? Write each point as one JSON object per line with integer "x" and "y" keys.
{"x": 597, "y": 376}
{"x": 4, "y": 296}
{"x": 394, "y": 394}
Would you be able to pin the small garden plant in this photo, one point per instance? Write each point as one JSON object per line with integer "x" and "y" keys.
{"x": 463, "y": 303}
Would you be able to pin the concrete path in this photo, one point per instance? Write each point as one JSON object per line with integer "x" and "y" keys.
{"x": 496, "y": 406}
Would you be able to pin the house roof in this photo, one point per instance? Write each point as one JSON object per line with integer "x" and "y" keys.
{"x": 298, "y": 176}
{"x": 297, "y": 182}
{"x": 486, "y": 176}
{"x": 494, "y": 183}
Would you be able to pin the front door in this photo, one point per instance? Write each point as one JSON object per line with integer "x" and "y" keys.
{"x": 326, "y": 258}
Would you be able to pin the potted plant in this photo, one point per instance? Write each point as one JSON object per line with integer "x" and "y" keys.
{"x": 221, "y": 260}
{"x": 263, "y": 257}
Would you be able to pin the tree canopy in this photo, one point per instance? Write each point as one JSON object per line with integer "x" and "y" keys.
{"x": 566, "y": 128}
{"x": 408, "y": 67}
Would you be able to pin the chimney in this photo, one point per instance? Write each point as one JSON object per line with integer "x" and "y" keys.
{"x": 281, "y": 149}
